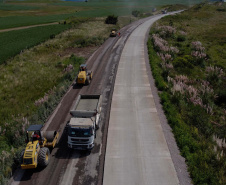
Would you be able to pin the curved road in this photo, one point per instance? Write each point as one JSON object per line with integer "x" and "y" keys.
{"x": 69, "y": 167}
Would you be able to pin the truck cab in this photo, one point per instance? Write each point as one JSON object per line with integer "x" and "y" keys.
{"x": 84, "y": 122}
{"x": 81, "y": 133}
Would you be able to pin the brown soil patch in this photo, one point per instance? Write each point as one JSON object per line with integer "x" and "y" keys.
{"x": 25, "y": 27}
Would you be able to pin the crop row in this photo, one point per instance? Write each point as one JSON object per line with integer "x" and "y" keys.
{"x": 14, "y": 42}
{"x": 19, "y": 21}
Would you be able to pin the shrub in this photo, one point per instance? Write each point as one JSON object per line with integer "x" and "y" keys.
{"x": 181, "y": 38}
{"x": 52, "y": 36}
{"x": 221, "y": 98}
{"x": 111, "y": 19}
{"x": 82, "y": 41}
{"x": 136, "y": 13}
{"x": 156, "y": 71}
{"x": 183, "y": 62}
{"x": 166, "y": 31}
{"x": 214, "y": 74}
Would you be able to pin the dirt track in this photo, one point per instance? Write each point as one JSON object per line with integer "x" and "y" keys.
{"x": 25, "y": 27}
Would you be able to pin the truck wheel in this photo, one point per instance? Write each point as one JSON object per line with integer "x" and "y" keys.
{"x": 90, "y": 74}
{"x": 98, "y": 124}
{"x": 43, "y": 157}
{"x": 87, "y": 80}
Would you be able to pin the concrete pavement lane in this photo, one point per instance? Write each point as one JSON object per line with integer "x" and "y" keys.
{"x": 137, "y": 152}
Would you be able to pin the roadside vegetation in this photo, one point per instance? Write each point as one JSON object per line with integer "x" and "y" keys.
{"x": 187, "y": 57}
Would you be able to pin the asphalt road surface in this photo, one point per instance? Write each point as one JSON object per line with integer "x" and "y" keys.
{"x": 137, "y": 152}
{"x": 69, "y": 167}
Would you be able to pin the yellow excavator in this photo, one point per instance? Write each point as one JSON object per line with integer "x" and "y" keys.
{"x": 37, "y": 151}
{"x": 84, "y": 76}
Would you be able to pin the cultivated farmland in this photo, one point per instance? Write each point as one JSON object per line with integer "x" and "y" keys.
{"x": 13, "y": 42}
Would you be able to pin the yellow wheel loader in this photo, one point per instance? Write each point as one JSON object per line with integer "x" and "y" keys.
{"x": 37, "y": 151}
{"x": 84, "y": 76}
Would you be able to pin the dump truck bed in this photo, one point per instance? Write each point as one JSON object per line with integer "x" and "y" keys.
{"x": 86, "y": 106}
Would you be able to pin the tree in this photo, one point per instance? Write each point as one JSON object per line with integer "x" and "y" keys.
{"x": 111, "y": 19}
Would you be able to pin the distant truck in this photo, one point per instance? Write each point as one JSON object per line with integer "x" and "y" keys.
{"x": 84, "y": 122}
{"x": 164, "y": 11}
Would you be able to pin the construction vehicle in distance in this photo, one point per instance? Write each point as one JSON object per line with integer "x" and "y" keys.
{"x": 164, "y": 11}
{"x": 37, "y": 151}
{"x": 113, "y": 33}
{"x": 84, "y": 122}
{"x": 84, "y": 76}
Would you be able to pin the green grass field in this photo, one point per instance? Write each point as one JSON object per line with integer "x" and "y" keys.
{"x": 13, "y": 42}
{"x": 12, "y": 7}
{"x": 31, "y": 13}
{"x": 15, "y": 21}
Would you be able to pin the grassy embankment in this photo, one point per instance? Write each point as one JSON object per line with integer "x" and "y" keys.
{"x": 187, "y": 57}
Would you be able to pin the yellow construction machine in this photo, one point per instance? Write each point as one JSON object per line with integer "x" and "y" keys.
{"x": 84, "y": 76}
{"x": 37, "y": 151}
{"x": 113, "y": 33}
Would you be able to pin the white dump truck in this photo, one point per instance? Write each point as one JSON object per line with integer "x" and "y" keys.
{"x": 84, "y": 122}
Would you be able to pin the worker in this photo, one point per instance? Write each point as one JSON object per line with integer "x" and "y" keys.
{"x": 35, "y": 136}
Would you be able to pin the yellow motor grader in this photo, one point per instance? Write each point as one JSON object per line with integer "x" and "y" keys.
{"x": 37, "y": 151}
{"x": 84, "y": 76}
